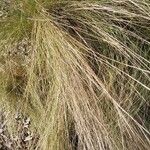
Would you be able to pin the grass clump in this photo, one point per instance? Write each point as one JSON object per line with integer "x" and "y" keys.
{"x": 80, "y": 70}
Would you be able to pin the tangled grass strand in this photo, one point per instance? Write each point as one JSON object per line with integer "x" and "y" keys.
{"x": 80, "y": 70}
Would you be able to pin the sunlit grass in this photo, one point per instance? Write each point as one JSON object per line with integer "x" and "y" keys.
{"x": 80, "y": 70}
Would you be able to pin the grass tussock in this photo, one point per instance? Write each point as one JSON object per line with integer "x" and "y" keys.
{"x": 80, "y": 70}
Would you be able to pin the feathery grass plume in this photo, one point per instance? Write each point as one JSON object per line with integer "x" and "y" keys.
{"x": 80, "y": 70}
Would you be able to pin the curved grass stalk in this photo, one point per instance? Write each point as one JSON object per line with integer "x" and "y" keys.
{"x": 79, "y": 70}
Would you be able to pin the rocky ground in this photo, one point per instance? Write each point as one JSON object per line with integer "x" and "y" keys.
{"x": 21, "y": 139}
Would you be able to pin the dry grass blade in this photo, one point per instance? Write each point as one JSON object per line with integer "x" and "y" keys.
{"x": 80, "y": 70}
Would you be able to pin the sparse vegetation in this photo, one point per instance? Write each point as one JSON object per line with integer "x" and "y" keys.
{"x": 80, "y": 70}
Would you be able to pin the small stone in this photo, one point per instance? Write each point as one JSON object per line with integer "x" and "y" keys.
{"x": 28, "y": 138}
{"x": 1, "y": 131}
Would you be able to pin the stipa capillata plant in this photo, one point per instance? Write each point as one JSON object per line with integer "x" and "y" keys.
{"x": 80, "y": 70}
